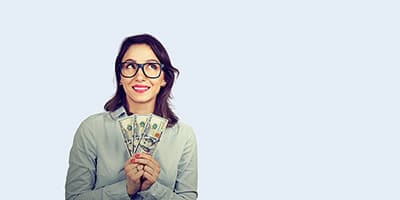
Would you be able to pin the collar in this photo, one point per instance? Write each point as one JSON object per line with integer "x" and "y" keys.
{"x": 120, "y": 112}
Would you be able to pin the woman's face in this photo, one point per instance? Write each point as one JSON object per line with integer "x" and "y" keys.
{"x": 141, "y": 90}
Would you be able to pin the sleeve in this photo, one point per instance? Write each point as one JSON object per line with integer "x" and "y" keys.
{"x": 81, "y": 175}
{"x": 186, "y": 181}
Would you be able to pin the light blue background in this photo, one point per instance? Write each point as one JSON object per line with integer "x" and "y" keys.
{"x": 289, "y": 100}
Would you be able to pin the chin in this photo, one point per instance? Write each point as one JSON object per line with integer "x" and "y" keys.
{"x": 142, "y": 100}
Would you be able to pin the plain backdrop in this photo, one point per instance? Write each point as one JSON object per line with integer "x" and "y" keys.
{"x": 288, "y": 99}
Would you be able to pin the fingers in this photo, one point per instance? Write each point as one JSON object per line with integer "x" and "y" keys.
{"x": 133, "y": 171}
{"x": 150, "y": 177}
{"x": 139, "y": 167}
{"x": 149, "y": 170}
{"x": 133, "y": 181}
{"x": 141, "y": 170}
{"x": 133, "y": 168}
{"x": 151, "y": 167}
{"x": 147, "y": 160}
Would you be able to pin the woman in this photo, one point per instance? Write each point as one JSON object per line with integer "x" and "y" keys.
{"x": 100, "y": 166}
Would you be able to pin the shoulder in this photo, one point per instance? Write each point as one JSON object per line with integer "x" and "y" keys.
{"x": 94, "y": 123}
{"x": 97, "y": 117}
{"x": 97, "y": 120}
{"x": 183, "y": 130}
{"x": 104, "y": 117}
{"x": 96, "y": 127}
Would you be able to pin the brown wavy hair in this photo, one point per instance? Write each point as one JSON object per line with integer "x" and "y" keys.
{"x": 163, "y": 104}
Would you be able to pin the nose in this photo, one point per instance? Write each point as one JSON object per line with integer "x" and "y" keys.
{"x": 140, "y": 75}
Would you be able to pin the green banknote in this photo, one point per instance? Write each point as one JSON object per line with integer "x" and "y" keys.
{"x": 141, "y": 124}
{"x": 151, "y": 134}
{"x": 127, "y": 132}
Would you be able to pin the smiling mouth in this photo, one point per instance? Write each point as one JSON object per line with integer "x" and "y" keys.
{"x": 140, "y": 89}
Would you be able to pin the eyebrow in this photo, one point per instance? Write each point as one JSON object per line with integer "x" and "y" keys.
{"x": 132, "y": 60}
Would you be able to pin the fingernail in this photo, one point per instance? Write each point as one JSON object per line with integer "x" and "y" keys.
{"x": 137, "y": 155}
{"x": 132, "y": 160}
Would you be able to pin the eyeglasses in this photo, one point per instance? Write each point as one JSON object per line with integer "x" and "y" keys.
{"x": 151, "y": 70}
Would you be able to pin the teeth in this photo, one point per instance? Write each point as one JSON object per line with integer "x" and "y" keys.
{"x": 140, "y": 88}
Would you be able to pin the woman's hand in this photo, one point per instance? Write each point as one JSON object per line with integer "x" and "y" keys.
{"x": 133, "y": 173}
{"x": 151, "y": 170}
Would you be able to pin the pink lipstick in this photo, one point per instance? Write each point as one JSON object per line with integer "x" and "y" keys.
{"x": 140, "y": 88}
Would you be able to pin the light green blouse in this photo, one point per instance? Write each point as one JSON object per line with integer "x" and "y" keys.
{"x": 98, "y": 154}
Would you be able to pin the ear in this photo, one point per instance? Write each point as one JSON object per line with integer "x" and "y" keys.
{"x": 163, "y": 83}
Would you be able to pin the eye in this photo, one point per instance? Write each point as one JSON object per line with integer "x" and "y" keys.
{"x": 128, "y": 65}
{"x": 154, "y": 66}
{"x": 131, "y": 66}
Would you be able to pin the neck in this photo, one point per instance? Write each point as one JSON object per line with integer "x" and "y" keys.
{"x": 141, "y": 108}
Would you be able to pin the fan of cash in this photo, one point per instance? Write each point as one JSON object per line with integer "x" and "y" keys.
{"x": 142, "y": 133}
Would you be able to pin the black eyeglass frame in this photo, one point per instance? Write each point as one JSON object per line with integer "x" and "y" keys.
{"x": 141, "y": 66}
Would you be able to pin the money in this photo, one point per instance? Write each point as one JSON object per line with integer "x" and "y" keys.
{"x": 152, "y": 134}
{"x": 141, "y": 133}
{"x": 140, "y": 124}
{"x": 126, "y": 125}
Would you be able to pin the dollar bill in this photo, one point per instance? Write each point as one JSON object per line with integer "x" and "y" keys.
{"x": 152, "y": 134}
{"x": 140, "y": 124}
{"x": 126, "y": 125}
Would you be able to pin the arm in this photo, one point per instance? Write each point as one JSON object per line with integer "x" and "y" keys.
{"x": 81, "y": 177}
{"x": 186, "y": 181}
